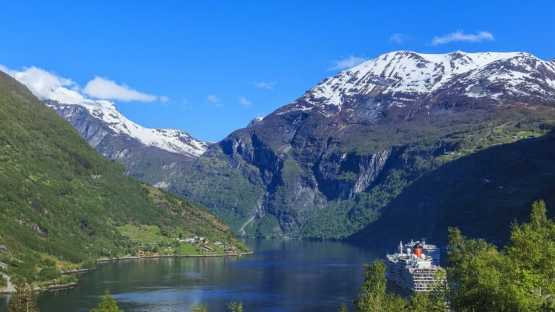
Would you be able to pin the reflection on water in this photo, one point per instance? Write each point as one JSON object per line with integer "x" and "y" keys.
{"x": 280, "y": 276}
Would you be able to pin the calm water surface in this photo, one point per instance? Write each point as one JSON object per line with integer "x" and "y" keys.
{"x": 280, "y": 276}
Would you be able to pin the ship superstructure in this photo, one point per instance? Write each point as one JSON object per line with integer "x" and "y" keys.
{"x": 415, "y": 266}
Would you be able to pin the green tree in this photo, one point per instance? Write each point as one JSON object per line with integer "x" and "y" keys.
{"x": 419, "y": 302}
{"x": 426, "y": 302}
{"x": 521, "y": 277}
{"x": 477, "y": 277}
{"x": 439, "y": 296}
{"x": 49, "y": 273}
{"x": 480, "y": 277}
{"x": 532, "y": 256}
{"x": 107, "y": 304}
{"x": 373, "y": 295}
{"x": 24, "y": 299}
{"x": 235, "y": 307}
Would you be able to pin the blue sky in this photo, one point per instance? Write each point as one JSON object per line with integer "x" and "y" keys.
{"x": 212, "y": 66}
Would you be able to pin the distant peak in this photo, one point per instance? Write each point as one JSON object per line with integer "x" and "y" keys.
{"x": 55, "y": 90}
{"x": 436, "y": 57}
{"x": 415, "y": 74}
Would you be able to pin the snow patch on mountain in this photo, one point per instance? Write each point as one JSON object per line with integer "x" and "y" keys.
{"x": 255, "y": 121}
{"x": 55, "y": 90}
{"x": 522, "y": 75}
{"x": 407, "y": 76}
{"x": 171, "y": 140}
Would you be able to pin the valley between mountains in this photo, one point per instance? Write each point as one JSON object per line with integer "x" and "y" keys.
{"x": 376, "y": 152}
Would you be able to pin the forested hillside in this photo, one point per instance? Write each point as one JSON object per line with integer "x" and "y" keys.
{"x": 482, "y": 194}
{"x": 63, "y": 204}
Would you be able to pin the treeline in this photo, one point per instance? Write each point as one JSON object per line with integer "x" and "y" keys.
{"x": 480, "y": 277}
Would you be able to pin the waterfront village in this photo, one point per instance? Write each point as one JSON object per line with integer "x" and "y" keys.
{"x": 202, "y": 245}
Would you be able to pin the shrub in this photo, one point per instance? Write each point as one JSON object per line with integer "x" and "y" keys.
{"x": 49, "y": 273}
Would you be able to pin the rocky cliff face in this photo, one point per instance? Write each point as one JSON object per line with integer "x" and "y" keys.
{"x": 152, "y": 155}
{"x": 329, "y": 163}
{"x": 332, "y": 161}
{"x": 482, "y": 194}
{"x": 92, "y": 124}
{"x": 156, "y": 156}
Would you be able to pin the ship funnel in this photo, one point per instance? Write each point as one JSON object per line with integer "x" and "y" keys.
{"x": 418, "y": 250}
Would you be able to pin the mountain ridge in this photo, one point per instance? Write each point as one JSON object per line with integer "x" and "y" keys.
{"x": 60, "y": 93}
{"x": 346, "y": 153}
{"x": 329, "y": 163}
{"x": 409, "y": 73}
{"x": 64, "y": 205}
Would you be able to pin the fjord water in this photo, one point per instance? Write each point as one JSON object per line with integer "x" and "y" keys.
{"x": 280, "y": 276}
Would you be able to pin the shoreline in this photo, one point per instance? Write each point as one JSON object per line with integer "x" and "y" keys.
{"x": 53, "y": 287}
{"x": 125, "y": 258}
{"x": 57, "y": 287}
{"x": 76, "y": 271}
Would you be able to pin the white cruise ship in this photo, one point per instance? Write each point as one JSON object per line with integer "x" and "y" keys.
{"x": 415, "y": 267}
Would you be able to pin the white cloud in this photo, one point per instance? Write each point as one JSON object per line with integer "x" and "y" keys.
{"x": 347, "y": 62}
{"x": 102, "y": 88}
{"x": 213, "y": 99}
{"x": 46, "y": 85}
{"x": 243, "y": 101}
{"x": 40, "y": 81}
{"x": 397, "y": 38}
{"x": 460, "y": 36}
{"x": 265, "y": 85}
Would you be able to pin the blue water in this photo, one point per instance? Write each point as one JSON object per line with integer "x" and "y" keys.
{"x": 280, "y": 276}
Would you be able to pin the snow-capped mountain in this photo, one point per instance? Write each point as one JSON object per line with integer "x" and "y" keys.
{"x": 326, "y": 164}
{"x": 332, "y": 161}
{"x": 401, "y": 77}
{"x": 60, "y": 94}
{"x": 171, "y": 140}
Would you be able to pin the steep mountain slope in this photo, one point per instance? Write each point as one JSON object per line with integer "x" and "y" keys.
{"x": 152, "y": 155}
{"x": 111, "y": 123}
{"x": 148, "y": 154}
{"x": 480, "y": 193}
{"x": 63, "y": 204}
{"x": 328, "y": 163}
